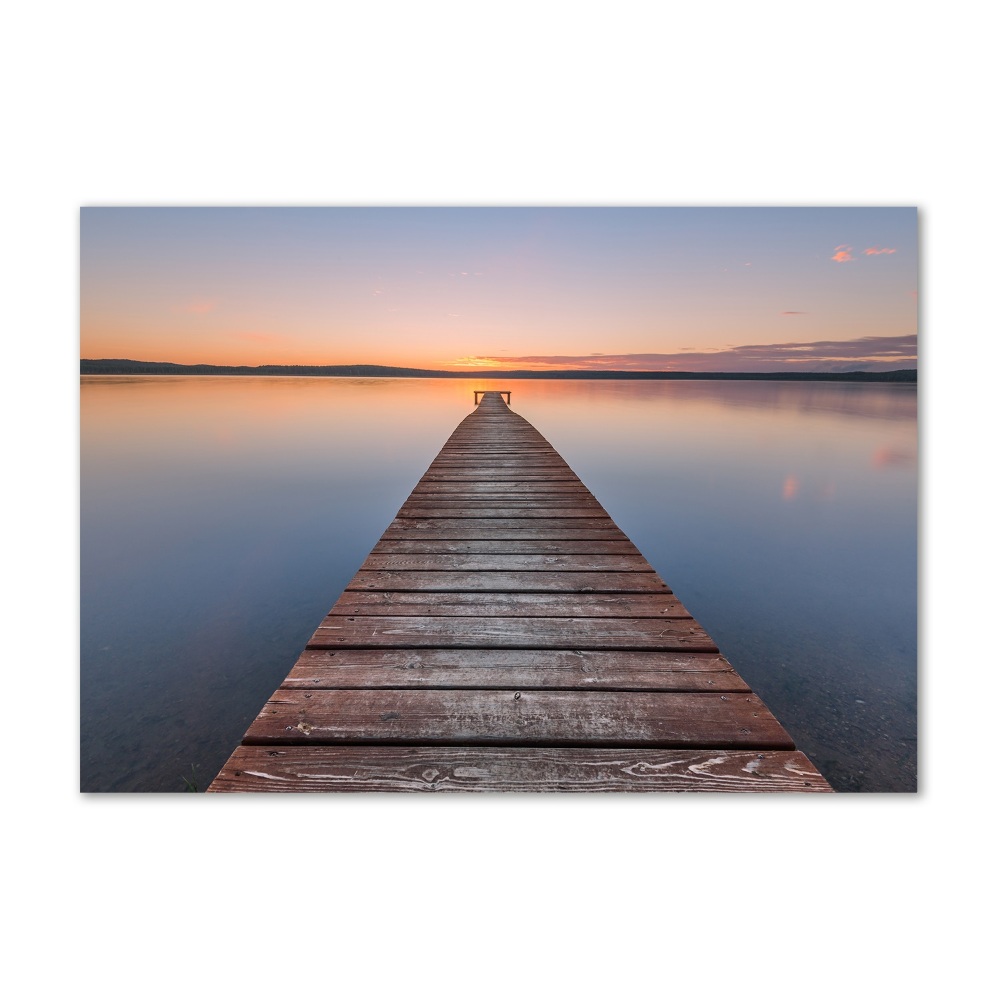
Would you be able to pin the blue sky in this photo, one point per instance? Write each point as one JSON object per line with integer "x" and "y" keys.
{"x": 473, "y": 288}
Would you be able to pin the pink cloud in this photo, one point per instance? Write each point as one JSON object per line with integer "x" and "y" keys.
{"x": 791, "y": 312}
{"x": 790, "y": 488}
{"x": 842, "y": 253}
{"x": 873, "y": 251}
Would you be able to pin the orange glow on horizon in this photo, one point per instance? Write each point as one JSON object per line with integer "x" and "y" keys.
{"x": 254, "y": 348}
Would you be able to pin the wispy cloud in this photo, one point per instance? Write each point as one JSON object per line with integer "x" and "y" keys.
{"x": 843, "y": 252}
{"x": 862, "y": 354}
{"x": 476, "y": 362}
{"x": 791, "y": 312}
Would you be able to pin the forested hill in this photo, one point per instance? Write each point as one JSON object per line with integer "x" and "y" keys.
{"x": 123, "y": 366}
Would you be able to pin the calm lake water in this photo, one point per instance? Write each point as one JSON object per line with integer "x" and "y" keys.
{"x": 221, "y": 517}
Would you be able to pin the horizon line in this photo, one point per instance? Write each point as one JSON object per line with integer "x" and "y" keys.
{"x": 488, "y": 373}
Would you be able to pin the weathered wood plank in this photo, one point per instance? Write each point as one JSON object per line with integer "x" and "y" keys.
{"x": 564, "y": 498}
{"x": 515, "y": 669}
{"x": 496, "y": 439}
{"x": 488, "y": 478}
{"x": 473, "y": 510}
{"x": 505, "y": 769}
{"x": 475, "y": 717}
{"x": 499, "y": 529}
{"x": 580, "y": 563}
{"x": 504, "y": 482}
{"x": 488, "y": 473}
{"x": 447, "y": 465}
{"x": 518, "y": 546}
{"x": 455, "y": 502}
{"x": 567, "y": 605}
{"x": 414, "y": 631}
{"x": 538, "y": 582}
{"x": 501, "y": 446}
{"x": 497, "y": 452}
{"x": 452, "y": 453}
{"x": 572, "y": 497}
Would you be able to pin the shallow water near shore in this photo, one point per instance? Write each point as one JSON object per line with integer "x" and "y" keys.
{"x": 221, "y": 517}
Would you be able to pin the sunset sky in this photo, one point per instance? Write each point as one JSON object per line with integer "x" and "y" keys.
{"x": 470, "y": 289}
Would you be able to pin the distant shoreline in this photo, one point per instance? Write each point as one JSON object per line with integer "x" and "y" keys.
{"x": 124, "y": 366}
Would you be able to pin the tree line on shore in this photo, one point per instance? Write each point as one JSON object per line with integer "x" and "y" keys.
{"x": 124, "y": 366}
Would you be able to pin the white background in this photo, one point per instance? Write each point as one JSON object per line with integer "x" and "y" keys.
{"x": 771, "y": 103}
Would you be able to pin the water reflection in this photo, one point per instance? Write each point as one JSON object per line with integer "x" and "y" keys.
{"x": 221, "y": 517}
{"x": 884, "y": 402}
{"x": 887, "y": 455}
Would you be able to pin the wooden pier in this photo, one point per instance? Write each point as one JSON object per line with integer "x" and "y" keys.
{"x": 505, "y": 635}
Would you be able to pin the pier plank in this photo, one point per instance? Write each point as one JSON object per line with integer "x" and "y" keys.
{"x": 477, "y": 717}
{"x": 460, "y": 475}
{"x": 590, "y": 562}
{"x": 505, "y": 528}
{"x": 537, "y": 581}
{"x": 667, "y": 634}
{"x": 516, "y": 546}
{"x": 527, "y": 510}
{"x": 522, "y": 769}
{"x": 514, "y": 669}
{"x": 509, "y": 605}
{"x": 503, "y": 484}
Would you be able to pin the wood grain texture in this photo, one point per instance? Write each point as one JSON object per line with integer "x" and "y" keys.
{"x": 505, "y": 562}
{"x": 505, "y": 635}
{"x": 453, "y": 491}
{"x": 492, "y": 468}
{"x": 539, "y": 582}
{"x": 414, "y": 631}
{"x": 514, "y": 669}
{"x": 509, "y": 529}
{"x": 503, "y": 769}
{"x": 511, "y": 546}
{"x": 453, "y": 503}
{"x": 492, "y": 605}
{"x": 501, "y": 472}
{"x": 445, "y": 490}
{"x": 507, "y": 510}
{"x": 477, "y": 717}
